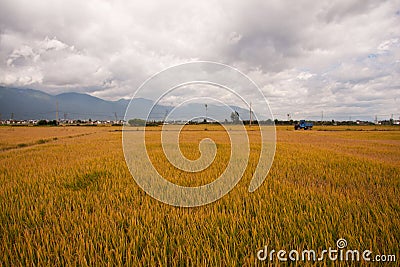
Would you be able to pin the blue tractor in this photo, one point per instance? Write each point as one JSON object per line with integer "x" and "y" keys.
{"x": 303, "y": 125}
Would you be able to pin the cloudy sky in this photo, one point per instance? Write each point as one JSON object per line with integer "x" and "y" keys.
{"x": 341, "y": 58}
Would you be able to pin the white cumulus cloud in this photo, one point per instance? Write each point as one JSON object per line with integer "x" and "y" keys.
{"x": 338, "y": 57}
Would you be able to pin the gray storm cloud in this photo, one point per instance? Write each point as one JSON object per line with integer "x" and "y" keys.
{"x": 340, "y": 57}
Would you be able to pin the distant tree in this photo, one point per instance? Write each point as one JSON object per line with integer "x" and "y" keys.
{"x": 137, "y": 122}
{"x": 267, "y": 122}
{"x": 153, "y": 123}
{"x": 45, "y": 122}
{"x": 235, "y": 118}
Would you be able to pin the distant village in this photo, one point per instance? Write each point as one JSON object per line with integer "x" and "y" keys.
{"x": 90, "y": 122}
{"x": 62, "y": 122}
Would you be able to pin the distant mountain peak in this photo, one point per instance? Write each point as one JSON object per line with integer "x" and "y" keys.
{"x": 23, "y": 104}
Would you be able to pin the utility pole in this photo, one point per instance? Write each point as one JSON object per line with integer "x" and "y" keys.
{"x": 250, "y": 115}
{"x": 57, "y": 111}
{"x": 165, "y": 116}
{"x": 205, "y": 120}
{"x": 288, "y": 121}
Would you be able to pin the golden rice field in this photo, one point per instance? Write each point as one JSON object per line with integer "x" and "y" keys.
{"x": 67, "y": 198}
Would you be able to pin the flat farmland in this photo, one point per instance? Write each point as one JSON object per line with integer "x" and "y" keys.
{"x": 68, "y": 198}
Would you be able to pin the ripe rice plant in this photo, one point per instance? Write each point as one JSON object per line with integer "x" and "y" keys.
{"x": 71, "y": 200}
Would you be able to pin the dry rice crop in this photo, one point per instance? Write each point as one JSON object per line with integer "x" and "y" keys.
{"x": 70, "y": 199}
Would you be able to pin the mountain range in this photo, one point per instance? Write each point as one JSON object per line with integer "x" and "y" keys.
{"x": 30, "y": 104}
